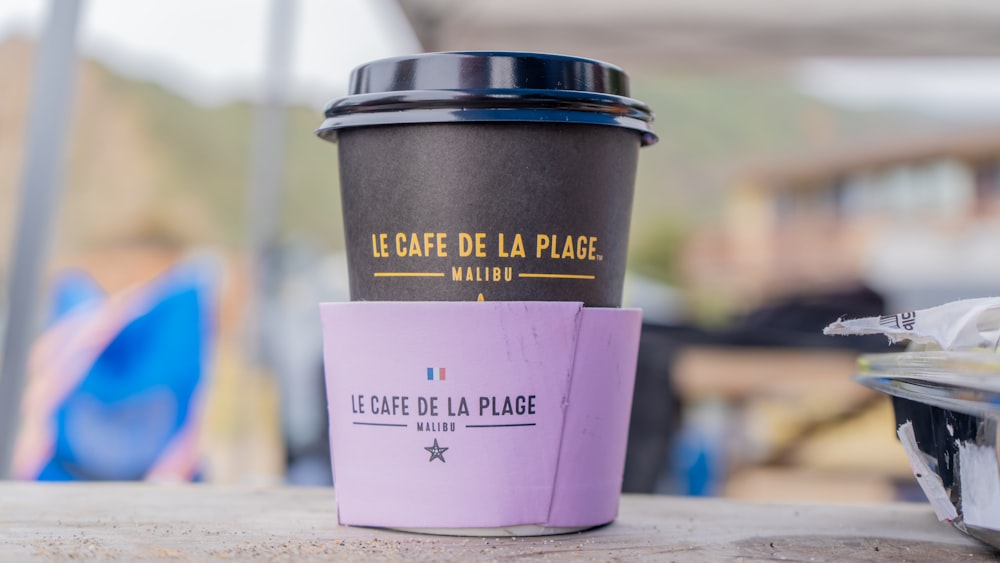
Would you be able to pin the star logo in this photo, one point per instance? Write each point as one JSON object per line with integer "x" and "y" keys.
{"x": 437, "y": 452}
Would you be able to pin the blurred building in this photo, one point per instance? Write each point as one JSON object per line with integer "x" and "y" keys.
{"x": 915, "y": 219}
{"x": 911, "y": 218}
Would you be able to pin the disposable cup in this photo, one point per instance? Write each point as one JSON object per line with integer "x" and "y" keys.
{"x": 487, "y": 176}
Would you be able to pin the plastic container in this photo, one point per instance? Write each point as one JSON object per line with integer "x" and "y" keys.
{"x": 947, "y": 406}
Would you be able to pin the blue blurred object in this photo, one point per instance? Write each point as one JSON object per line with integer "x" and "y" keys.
{"x": 136, "y": 406}
{"x": 696, "y": 461}
{"x": 70, "y": 289}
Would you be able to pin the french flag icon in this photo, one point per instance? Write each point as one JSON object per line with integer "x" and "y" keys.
{"x": 435, "y": 374}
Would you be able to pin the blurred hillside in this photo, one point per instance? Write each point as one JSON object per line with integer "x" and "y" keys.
{"x": 149, "y": 165}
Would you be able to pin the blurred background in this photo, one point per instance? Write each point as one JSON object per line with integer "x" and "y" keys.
{"x": 816, "y": 160}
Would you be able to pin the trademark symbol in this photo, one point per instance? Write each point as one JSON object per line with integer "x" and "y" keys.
{"x": 599, "y": 257}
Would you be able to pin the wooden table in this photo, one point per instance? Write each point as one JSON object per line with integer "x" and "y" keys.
{"x": 204, "y": 522}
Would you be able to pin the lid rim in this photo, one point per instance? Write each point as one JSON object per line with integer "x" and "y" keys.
{"x": 488, "y": 99}
{"x": 328, "y": 130}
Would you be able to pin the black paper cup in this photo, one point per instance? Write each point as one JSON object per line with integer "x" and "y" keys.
{"x": 487, "y": 176}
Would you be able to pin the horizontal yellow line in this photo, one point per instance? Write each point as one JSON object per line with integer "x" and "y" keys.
{"x": 409, "y": 274}
{"x": 557, "y": 276}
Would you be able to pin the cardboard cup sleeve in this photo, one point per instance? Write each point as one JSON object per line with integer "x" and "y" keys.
{"x": 454, "y": 415}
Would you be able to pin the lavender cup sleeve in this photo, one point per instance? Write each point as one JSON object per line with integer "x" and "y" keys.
{"x": 452, "y": 415}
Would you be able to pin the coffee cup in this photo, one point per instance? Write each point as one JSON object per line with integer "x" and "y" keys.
{"x": 490, "y": 176}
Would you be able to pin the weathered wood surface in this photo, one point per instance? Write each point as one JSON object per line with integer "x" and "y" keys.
{"x": 203, "y": 522}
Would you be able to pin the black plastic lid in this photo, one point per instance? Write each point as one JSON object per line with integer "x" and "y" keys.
{"x": 488, "y": 86}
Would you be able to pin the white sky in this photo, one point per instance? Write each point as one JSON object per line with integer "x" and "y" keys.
{"x": 214, "y": 50}
{"x": 962, "y": 88}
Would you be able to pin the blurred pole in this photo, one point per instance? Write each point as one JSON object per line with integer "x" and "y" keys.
{"x": 266, "y": 178}
{"x": 41, "y": 183}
